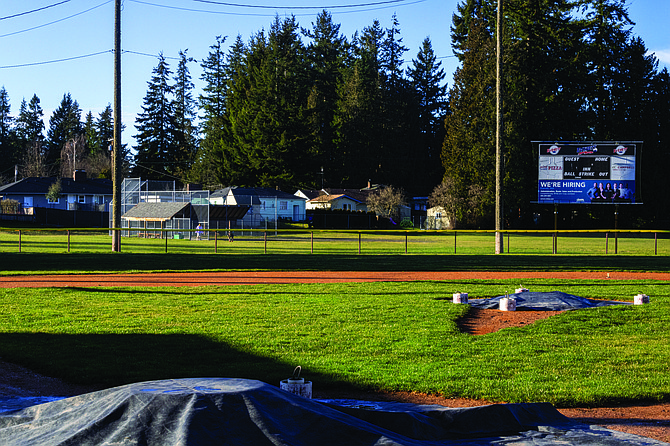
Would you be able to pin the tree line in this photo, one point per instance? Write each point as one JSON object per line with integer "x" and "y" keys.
{"x": 572, "y": 71}
{"x": 300, "y": 107}
{"x": 70, "y": 143}
{"x": 278, "y": 112}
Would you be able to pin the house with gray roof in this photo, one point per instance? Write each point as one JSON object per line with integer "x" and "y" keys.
{"x": 77, "y": 193}
{"x": 266, "y": 204}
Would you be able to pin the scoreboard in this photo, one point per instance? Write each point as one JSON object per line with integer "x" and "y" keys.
{"x": 586, "y": 167}
{"x": 586, "y": 172}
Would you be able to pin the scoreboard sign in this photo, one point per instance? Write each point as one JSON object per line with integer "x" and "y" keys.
{"x": 586, "y": 172}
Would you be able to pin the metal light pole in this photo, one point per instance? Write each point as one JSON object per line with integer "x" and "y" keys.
{"x": 499, "y": 130}
{"x": 116, "y": 153}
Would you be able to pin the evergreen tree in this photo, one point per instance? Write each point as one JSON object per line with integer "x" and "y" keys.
{"x": 31, "y": 147}
{"x": 212, "y": 103}
{"x": 64, "y": 124}
{"x": 327, "y": 54}
{"x": 359, "y": 127}
{"x": 469, "y": 145}
{"x": 7, "y": 136}
{"x": 267, "y": 142}
{"x": 104, "y": 127}
{"x": 398, "y": 113}
{"x": 184, "y": 106}
{"x": 426, "y": 77}
{"x": 90, "y": 133}
{"x": 155, "y": 125}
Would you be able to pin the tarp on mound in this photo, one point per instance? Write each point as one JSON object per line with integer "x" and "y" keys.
{"x": 219, "y": 411}
{"x": 545, "y": 301}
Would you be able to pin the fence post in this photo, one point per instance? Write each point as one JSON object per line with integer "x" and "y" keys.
{"x": 405, "y": 243}
{"x": 607, "y": 241}
{"x": 19, "y": 240}
{"x": 454, "y": 242}
{"x": 265, "y": 238}
{"x": 359, "y": 242}
{"x": 68, "y": 240}
{"x": 165, "y": 239}
{"x": 312, "y": 240}
{"x": 655, "y": 243}
{"x": 216, "y": 242}
{"x": 508, "y": 243}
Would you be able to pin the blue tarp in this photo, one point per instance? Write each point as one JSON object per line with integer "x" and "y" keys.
{"x": 547, "y": 301}
{"x": 220, "y": 411}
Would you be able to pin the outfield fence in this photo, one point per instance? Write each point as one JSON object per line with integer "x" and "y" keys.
{"x": 307, "y": 241}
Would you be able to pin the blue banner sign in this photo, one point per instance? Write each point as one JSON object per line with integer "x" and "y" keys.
{"x": 586, "y": 172}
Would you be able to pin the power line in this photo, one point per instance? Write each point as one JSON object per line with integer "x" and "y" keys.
{"x": 56, "y": 60}
{"x": 251, "y": 14}
{"x": 148, "y": 55}
{"x": 83, "y": 57}
{"x": 55, "y": 21}
{"x": 241, "y": 5}
{"x": 34, "y": 10}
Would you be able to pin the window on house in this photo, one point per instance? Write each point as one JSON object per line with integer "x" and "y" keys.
{"x": 56, "y": 201}
{"x": 81, "y": 198}
{"x": 263, "y": 204}
{"x": 283, "y": 205}
{"x": 438, "y": 214}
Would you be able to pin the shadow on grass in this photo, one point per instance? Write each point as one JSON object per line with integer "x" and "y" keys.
{"x": 111, "y": 262}
{"x": 108, "y": 360}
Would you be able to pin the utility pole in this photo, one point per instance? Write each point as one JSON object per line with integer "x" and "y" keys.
{"x": 499, "y": 132}
{"x": 116, "y": 149}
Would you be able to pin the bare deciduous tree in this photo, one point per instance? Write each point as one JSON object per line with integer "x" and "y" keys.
{"x": 73, "y": 155}
{"x": 387, "y": 202}
{"x": 446, "y": 196}
{"x": 33, "y": 163}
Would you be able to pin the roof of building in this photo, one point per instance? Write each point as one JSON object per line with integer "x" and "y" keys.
{"x": 227, "y": 212}
{"x": 328, "y": 198}
{"x": 155, "y": 211}
{"x": 309, "y": 193}
{"x": 356, "y": 194}
{"x": 41, "y": 185}
{"x": 254, "y": 191}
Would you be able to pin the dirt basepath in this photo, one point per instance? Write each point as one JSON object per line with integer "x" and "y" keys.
{"x": 649, "y": 420}
{"x": 262, "y": 277}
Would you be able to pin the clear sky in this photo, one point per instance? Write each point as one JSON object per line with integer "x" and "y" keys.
{"x": 52, "y": 47}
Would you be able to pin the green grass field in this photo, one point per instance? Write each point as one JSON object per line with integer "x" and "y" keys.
{"x": 376, "y": 336}
{"x": 342, "y": 242}
{"x": 373, "y": 336}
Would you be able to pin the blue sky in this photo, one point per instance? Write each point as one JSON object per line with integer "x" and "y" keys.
{"x": 70, "y": 29}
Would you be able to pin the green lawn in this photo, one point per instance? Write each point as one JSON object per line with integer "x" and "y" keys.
{"x": 378, "y": 336}
{"x": 290, "y": 242}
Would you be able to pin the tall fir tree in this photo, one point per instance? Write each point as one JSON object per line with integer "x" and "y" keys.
{"x": 426, "y": 78}
{"x": 7, "y": 136}
{"x": 31, "y": 146}
{"x": 212, "y": 103}
{"x": 359, "y": 127}
{"x": 90, "y": 133}
{"x": 184, "y": 107}
{"x": 155, "y": 126}
{"x": 328, "y": 54}
{"x": 104, "y": 127}
{"x": 64, "y": 124}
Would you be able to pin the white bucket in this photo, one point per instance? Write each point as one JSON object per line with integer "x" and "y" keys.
{"x": 507, "y": 304}
{"x": 460, "y": 298}
{"x": 641, "y": 299}
{"x": 297, "y": 386}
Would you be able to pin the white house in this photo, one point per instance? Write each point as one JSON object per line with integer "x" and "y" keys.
{"x": 266, "y": 204}
{"x": 437, "y": 218}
